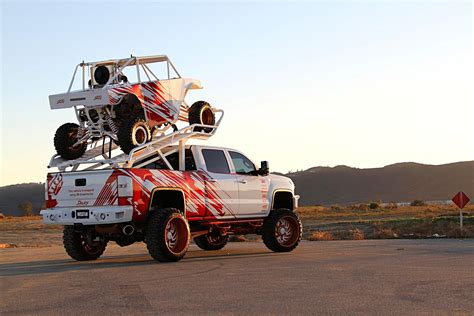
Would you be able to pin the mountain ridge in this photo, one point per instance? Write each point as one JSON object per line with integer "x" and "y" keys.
{"x": 399, "y": 182}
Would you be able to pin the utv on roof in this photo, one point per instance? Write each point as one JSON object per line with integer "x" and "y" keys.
{"x": 113, "y": 107}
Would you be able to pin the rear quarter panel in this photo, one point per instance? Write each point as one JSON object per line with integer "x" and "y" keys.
{"x": 193, "y": 184}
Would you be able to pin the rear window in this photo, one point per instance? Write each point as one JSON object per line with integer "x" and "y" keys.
{"x": 215, "y": 161}
{"x": 173, "y": 159}
{"x": 189, "y": 163}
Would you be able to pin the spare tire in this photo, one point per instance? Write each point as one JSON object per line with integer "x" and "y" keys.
{"x": 211, "y": 241}
{"x": 201, "y": 113}
{"x": 65, "y": 138}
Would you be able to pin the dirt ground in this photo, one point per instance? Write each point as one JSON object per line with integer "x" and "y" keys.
{"x": 320, "y": 223}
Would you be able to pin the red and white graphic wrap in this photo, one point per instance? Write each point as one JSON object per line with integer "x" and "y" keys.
{"x": 161, "y": 101}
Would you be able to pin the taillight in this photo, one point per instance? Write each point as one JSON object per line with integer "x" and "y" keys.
{"x": 124, "y": 190}
{"x": 51, "y": 203}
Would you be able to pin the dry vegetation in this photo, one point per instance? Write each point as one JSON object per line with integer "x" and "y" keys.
{"x": 320, "y": 223}
{"x": 361, "y": 222}
{"x": 28, "y": 231}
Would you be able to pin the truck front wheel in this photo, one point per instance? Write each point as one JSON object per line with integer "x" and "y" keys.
{"x": 82, "y": 245}
{"x": 282, "y": 230}
{"x": 211, "y": 241}
{"x": 167, "y": 235}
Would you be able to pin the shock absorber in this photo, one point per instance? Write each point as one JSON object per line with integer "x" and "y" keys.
{"x": 111, "y": 123}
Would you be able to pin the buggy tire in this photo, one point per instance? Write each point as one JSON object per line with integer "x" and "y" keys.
{"x": 211, "y": 241}
{"x": 167, "y": 235}
{"x": 282, "y": 230}
{"x": 201, "y": 113}
{"x": 133, "y": 133}
{"x": 76, "y": 245}
{"x": 65, "y": 137}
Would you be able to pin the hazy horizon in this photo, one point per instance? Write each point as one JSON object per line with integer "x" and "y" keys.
{"x": 363, "y": 84}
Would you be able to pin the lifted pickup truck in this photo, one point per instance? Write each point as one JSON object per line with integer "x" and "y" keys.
{"x": 218, "y": 192}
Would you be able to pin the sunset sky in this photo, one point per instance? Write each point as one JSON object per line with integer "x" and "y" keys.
{"x": 303, "y": 84}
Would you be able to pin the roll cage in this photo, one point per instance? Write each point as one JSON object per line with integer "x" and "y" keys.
{"x": 119, "y": 65}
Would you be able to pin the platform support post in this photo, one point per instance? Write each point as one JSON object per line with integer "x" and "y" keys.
{"x": 181, "y": 156}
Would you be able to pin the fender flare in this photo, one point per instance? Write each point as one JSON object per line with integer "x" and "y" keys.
{"x": 175, "y": 189}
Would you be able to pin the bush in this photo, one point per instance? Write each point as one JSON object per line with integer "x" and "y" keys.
{"x": 359, "y": 207}
{"x": 373, "y": 205}
{"x": 357, "y": 234}
{"x": 321, "y": 235}
{"x": 26, "y": 208}
{"x": 418, "y": 203}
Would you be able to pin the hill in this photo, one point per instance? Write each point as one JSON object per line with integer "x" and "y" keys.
{"x": 12, "y": 195}
{"x": 325, "y": 185}
{"x": 397, "y": 182}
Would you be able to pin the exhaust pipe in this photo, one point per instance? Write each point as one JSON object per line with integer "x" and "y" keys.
{"x": 128, "y": 230}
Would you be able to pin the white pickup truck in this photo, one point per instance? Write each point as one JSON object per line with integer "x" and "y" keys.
{"x": 219, "y": 192}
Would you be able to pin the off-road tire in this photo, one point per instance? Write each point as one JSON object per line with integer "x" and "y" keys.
{"x": 158, "y": 235}
{"x": 201, "y": 113}
{"x": 211, "y": 241}
{"x": 133, "y": 133}
{"x": 65, "y": 137}
{"x": 128, "y": 108}
{"x": 273, "y": 237}
{"x": 77, "y": 247}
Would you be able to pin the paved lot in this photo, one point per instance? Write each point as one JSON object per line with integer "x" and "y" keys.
{"x": 338, "y": 277}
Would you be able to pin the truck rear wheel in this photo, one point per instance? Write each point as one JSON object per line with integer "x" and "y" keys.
{"x": 282, "y": 230}
{"x": 167, "y": 235}
{"x": 201, "y": 113}
{"x": 133, "y": 133}
{"x": 211, "y": 241}
{"x": 65, "y": 138}
{"x": 81, "y": 246}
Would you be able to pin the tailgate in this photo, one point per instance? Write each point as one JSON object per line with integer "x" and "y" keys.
{"x": 86, "y": 188}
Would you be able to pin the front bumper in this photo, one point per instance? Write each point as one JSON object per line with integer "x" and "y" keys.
{"x": 97, "y": 215}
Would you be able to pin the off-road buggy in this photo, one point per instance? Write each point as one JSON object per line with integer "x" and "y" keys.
{"x": 126, "y": 100}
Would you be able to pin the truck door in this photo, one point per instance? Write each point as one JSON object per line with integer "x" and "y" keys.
{"x": 222, "y": 191}
{"x": 252, "y": 187}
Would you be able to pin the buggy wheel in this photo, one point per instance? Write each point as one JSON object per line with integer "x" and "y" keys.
{"x": 201, "y": 113}
{"x": 167, "y": 235}
{"x": 133, "y": 133}
{"x": 81, "y": 246}
{"x": 65, "y": 141}
{"x": 211, "y": 241}
{"x": 282, "y": 230}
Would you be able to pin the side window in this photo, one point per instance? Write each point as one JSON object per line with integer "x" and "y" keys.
{"x": 215, "y": 161}
{"x": 242, "y": 164}
{"x": 157, "y": 164}
{"x": 172, "y": 159}
{"x": 189, "y": 163}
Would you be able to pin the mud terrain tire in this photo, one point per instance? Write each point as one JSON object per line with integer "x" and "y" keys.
{"x": 133, "y": 133}
{"x": 282, "y": 230}
{"x": 76, "y": 245}
{"x": 201, "y": 113}
{"x": 167, "y": 235}
{"x": 65, "y": 137}
{"x": 211, "y": 241}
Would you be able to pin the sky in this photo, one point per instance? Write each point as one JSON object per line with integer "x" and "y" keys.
{"x": 302, "y": 84}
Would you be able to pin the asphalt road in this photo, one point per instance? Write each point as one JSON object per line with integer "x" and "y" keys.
{"x": 334, "y": 277}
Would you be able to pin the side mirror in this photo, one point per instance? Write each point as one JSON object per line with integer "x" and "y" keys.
{"x": 264, "y": 169}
